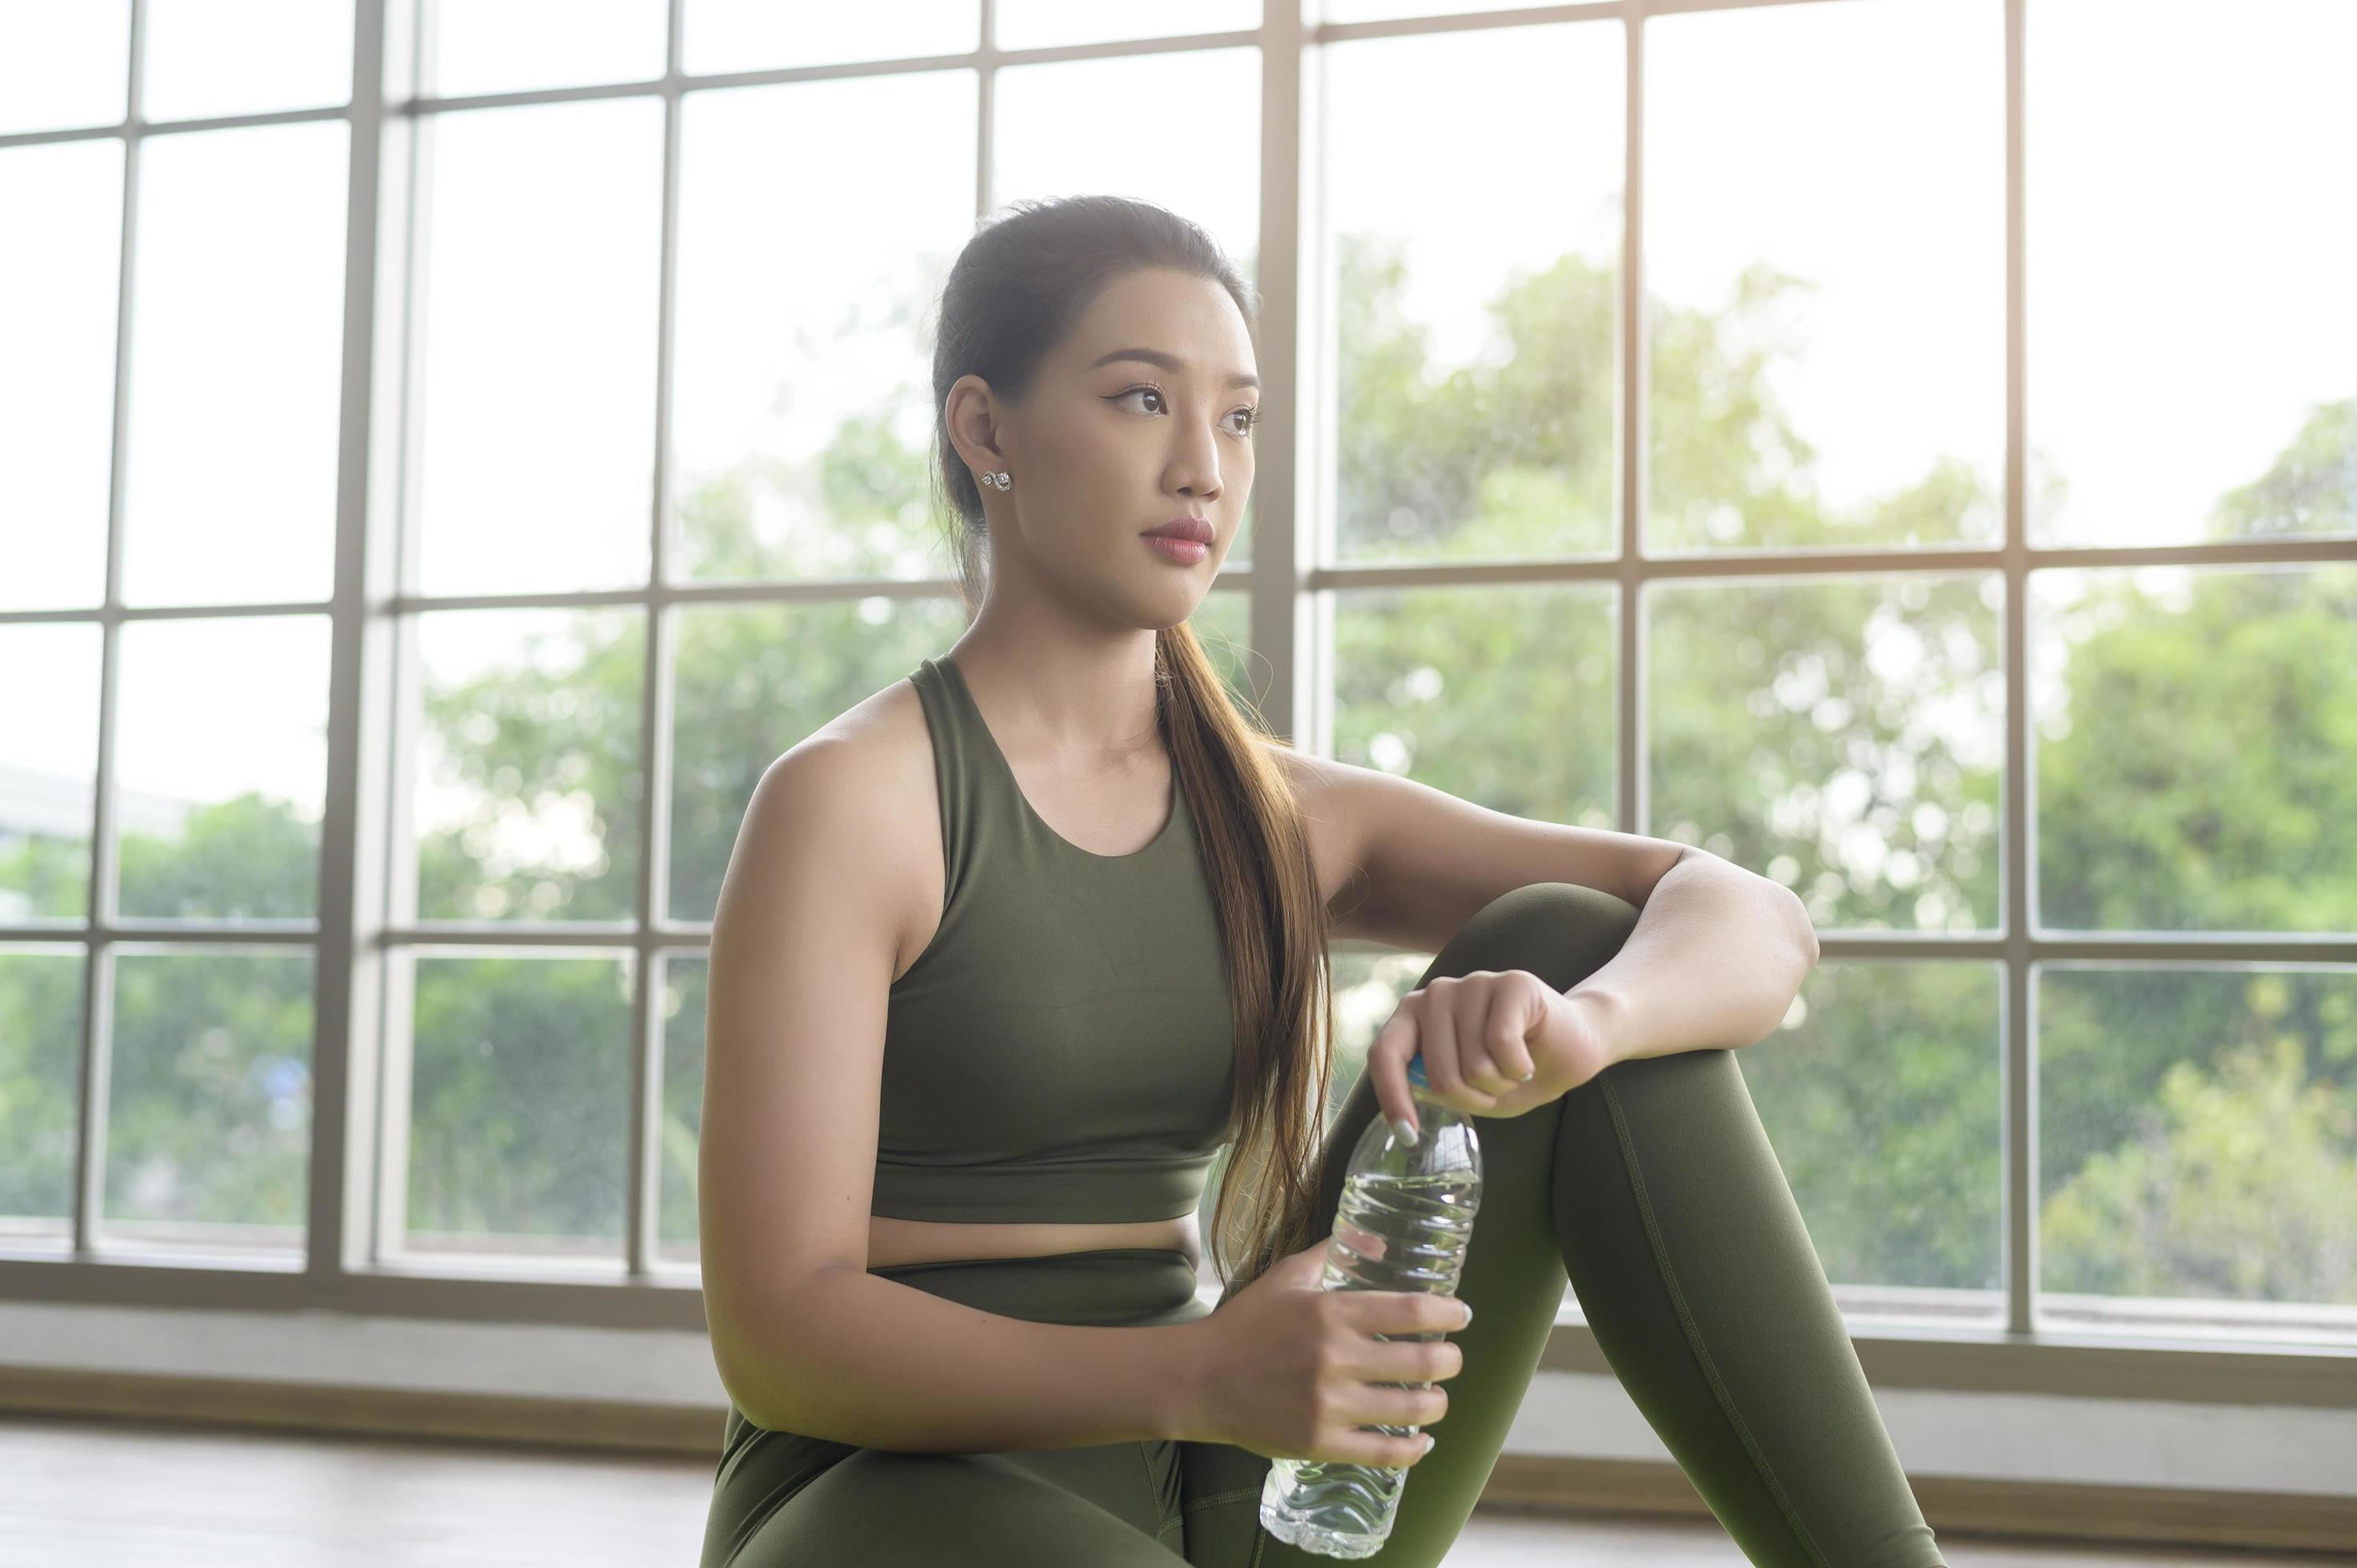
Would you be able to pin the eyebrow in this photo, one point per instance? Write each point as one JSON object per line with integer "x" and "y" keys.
{"x": 1171, "y": 362}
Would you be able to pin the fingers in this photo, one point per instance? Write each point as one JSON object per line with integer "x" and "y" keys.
{"x": 1383, "y": 1406}
{"x": 1413, "y": 1363}
{"x": 1310, "y": 1262}
{"x": 1491, "y": 1024}
{"x": 1506, "y": 1033}
{"x": 1400, "y": 1388}
{"x": 1387, "y": 1059}
{"x": 1472, "y": 1032}
{"x": 1395, "y": 1381}
{"x": 1401, "y": 1311}
{"x": 1446, "y": 1060}
{"x": 1388, "y": 1453}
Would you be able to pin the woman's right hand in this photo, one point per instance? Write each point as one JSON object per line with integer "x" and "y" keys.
{"x": 1288, "y": 1369}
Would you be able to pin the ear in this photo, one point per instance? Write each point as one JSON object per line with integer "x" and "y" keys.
{"x": 974, "y": 418}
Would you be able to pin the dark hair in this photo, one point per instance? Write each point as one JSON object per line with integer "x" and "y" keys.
{"x": 1018, "y": 288}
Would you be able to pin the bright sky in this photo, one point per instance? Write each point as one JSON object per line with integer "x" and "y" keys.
{"x": 2186, "y": 272}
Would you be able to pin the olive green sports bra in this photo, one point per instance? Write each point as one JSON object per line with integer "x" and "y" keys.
{"x": 1063, "y": 1050}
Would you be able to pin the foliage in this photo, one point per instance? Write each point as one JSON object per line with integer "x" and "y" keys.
{"x": 1844, "y": 737}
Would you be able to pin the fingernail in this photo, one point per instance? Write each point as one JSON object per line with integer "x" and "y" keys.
{"x": 1406, "y": 1133}
{"x": 1427, "y": 1442}
{"x": 1469, "y": 1314}
{"x": 1528, "y": 1075}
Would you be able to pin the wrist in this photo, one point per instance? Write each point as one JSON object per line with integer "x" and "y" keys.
{"x": 1606, "y": 1014}
{"x": 1183, "y": 1382}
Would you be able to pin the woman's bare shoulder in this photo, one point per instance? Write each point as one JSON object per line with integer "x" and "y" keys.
{"x": 887, "y": 735}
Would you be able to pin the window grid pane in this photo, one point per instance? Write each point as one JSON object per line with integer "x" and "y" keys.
{"x": 2256, "y": 548}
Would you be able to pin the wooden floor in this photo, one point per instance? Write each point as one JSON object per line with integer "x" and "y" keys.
{"x": 99, "y": 1494}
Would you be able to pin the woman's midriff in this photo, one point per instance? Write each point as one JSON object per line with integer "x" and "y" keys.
{"x": 895, "y": 1241}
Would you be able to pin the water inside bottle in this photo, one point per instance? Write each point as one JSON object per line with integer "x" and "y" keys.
{"x": 1394, "y": 1233}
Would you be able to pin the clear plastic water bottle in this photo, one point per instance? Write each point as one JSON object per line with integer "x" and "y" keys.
{"x": 1404, "y": 1222}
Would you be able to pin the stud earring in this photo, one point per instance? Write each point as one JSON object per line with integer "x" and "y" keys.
{"x": 998, "y": 480}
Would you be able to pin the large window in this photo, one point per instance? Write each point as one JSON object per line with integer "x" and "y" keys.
{"x": 446, "y": 455}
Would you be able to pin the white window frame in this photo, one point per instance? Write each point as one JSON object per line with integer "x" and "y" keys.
{"x": 1291, "y": 583}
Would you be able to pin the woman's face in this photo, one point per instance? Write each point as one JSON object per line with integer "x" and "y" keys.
{"x": 1108, "y": 446}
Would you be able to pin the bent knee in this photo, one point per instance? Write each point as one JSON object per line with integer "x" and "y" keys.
{"x": 1561, "y": 931}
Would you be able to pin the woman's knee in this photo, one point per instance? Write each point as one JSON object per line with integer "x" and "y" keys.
{"x": 1561, "y": 931}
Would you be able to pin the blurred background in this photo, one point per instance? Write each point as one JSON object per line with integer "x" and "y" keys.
{"x": 1908, "y": 447}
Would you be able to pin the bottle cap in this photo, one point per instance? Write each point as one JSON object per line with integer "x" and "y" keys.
{"x": 1416, "y": 1072}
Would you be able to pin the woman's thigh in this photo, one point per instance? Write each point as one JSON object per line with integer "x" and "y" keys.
{"x": 1041, "y": 1508}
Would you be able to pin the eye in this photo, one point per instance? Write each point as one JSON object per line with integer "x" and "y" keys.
{"x": 1251, "y": 413}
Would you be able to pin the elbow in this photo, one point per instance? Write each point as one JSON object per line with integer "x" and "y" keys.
{"x": 1804, "y": 942}
{"x": 1808, "y": 930}
{"x": 754, "y": 1357}
{"x": 752, "y": 1391}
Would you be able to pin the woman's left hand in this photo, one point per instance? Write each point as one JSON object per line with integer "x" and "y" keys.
{"x": 1494, "y": 1042}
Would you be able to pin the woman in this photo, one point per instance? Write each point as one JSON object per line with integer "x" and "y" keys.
{"x": 967, "y": 1071}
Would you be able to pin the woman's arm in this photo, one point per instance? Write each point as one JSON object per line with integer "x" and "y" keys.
{"x": 806, "y": 1340}
{"x": 858, "y": 1358}
{"x": 1716, "y": 956}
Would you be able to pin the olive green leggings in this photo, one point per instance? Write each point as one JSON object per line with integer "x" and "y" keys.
{"x": 1652, "y": 1188}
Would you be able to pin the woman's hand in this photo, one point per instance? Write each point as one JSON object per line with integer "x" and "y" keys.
{"x": 1494, "y": 1042}
{"x": 1292, "y": 1371}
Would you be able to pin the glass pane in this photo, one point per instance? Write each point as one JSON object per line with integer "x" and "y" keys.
{"x": 753, "y": 680}
{"x": 760, "y": 35}
{"x": 58, "y": 304}
{"x": 538, "y": 462}
{"x": 1060, "y": 132}
{"x": 519, "y": 1104}
{"x": 1416, "y": 693}
{"x": 803, "y": 419}
{"x": 1882, "y": 1095}
{"x": 221, "y": 768}
{"x": 1844, "y": 738}
{"x": 236, "y": 348}
{"x": 529, "y": 773}
{"x": 677, "y": 1234}
{"x": 208, "y": 57}
{"x": 1474, "y": 357}
{"x": 1825, "y": 309}
{"x": 48, "y": 771}
{"x": 1382, "y": 10}
{"x": 2194, "y": 732}
{"x": 520, "y": 45}
{"x": 2191, "y": 242}
{"x": 209, "y": 1118}
{"x": 62, "y": 66}
{"x": 2197, "y": 1146}
{"x": 1043, "y": 24}
{"x": 1222, "y": 624}
{"x": 40, "y": 1091}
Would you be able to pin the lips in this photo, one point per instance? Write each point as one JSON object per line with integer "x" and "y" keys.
{"x": 1197, "y": 528}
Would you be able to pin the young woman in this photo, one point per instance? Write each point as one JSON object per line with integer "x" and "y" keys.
{"x": 1008, "y": 953}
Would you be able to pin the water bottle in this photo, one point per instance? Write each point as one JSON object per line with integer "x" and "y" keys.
{"x": 1402, "y": 1224}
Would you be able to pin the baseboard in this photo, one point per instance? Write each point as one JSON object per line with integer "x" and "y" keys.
{"x": 2056, "y": 1510}
{"x": 1965, "y": 1505}
{"x": 628, "y": 1426}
